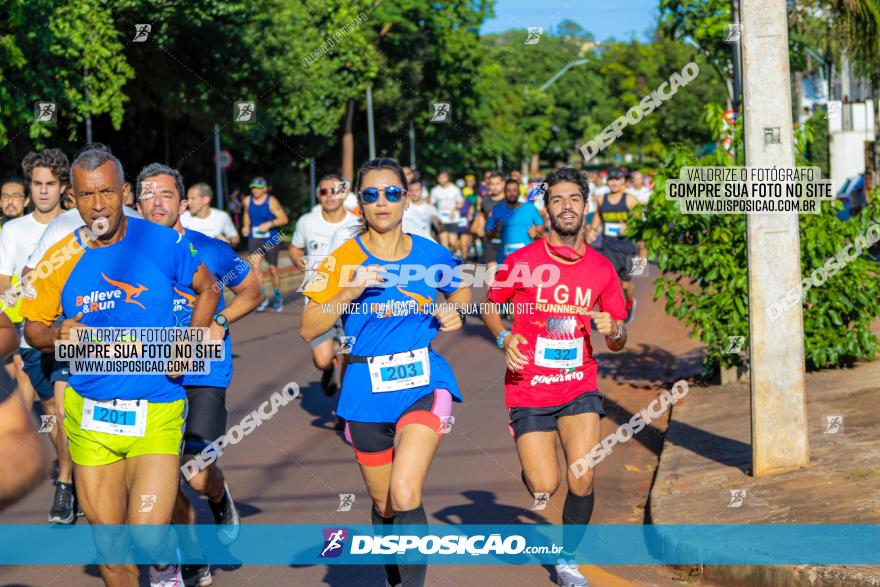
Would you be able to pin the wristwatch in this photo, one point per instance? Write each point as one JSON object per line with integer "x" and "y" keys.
{"x": 222, "y": 321}
{"x": 500, "y": 338}
{"x": 619, "y": 334}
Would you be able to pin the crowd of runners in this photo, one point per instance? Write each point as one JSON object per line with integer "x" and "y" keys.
{"x": 154, "y": 253}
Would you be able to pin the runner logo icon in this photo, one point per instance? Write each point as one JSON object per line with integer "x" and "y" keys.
{"x": 735, "y": 344}
{"x": 441, "y": 112}
{"x": 47, "y": 423}
{"x": 346, "y": 500}
{"x": 245, "y": 112}
{"x": 734, "y": 32}
{"x": 535, "y": 33}
{"x": 737, "y": 496}
{"x": 141, "y": 32}
{"x": 45, "y": 112}
{"x": 833, "y": 424}
{"x": 333, "y": 541}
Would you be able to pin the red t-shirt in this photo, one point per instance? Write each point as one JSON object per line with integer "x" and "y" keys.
{"x": 552, "y": 318}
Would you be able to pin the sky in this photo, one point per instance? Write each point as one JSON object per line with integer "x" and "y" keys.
{"x": 620, "y": 19}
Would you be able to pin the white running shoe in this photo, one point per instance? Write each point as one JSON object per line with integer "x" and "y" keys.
{"x": 168, "y": 577}
{"x": 568, "y": 574}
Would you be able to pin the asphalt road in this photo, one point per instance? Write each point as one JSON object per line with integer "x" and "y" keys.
{"x": 292, "y": 468}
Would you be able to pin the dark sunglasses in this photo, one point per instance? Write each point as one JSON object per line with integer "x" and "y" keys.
{"x": 392, "y": 193}
{"x": 326, "y": 191}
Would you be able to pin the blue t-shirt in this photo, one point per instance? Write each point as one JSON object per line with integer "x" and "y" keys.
{"x": 515, "y": 224}
{"x": 227, "y": 268}
{"x": 389, "y": 320}
{"x": 127, "y": 284}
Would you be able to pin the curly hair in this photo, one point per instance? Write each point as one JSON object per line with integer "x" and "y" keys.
{"x": 570, "y": 175}
{"x": 54, "y": 159}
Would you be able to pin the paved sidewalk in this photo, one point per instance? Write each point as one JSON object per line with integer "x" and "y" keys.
{"x": 707, "y": 453}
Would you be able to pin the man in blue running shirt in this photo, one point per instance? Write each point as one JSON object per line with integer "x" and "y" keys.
{"x": 518, "y": 223}
{"x": 159, "y": 190}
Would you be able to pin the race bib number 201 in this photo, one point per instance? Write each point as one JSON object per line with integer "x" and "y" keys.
{"x": 120, "y": 417}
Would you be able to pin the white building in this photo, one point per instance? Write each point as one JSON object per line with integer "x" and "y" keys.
{"x": 849, "y": 127}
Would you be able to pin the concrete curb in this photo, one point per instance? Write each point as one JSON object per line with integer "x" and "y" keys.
{"x": 706, "y": 452}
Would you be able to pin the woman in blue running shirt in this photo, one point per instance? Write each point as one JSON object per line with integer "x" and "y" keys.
{"x": 397, "y": 392}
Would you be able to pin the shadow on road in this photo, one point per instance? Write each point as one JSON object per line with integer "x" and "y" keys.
{"x": 726, "y": 451}
{"x": 348, "y": 575}
{"x": 645, "y": 366}
{"x": 315, "y": 403}
{"x": 729, "y": 452}
{"x": 484, "y": 509}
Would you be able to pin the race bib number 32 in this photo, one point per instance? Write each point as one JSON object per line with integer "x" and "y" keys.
{"x": 120, "y": 417}
{"x": 559, "y": 354}
{"x": 400, "y": 371}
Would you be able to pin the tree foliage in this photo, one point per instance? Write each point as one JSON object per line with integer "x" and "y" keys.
{"x": 304, "y": 63}
{"x": 705, "y": 263}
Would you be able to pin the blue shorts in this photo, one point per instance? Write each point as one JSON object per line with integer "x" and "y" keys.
{"x": 39, "y": 367}
{"x": 60, "y": 372}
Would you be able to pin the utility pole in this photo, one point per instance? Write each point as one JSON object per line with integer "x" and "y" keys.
{"x": 312, "y": 182}
{"x": 88, "y": 108}
{"x": 778, "y": 399}
{"x": 217, "y": 168}
{"x": 736, "y": 60}
{"x": 412, "y": 145}
{"x": 372, "y": 136}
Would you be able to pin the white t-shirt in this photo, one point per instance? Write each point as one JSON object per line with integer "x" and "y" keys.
{"x": 58, "y": 229}
{"x": 447, "y": 200}
{"x": 417, "y": 219}
{"x": 319, "y": 238}
{"x": 218, "y": 223}
{"x": 642, "y": 194}
{"x": 314, "y": 233}
{"x": 17, "y": 239}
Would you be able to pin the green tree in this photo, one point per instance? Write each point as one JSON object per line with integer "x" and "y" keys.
{"x": 704, "y": 262}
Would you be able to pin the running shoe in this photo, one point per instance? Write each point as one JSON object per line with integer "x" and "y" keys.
{"x": 630, "y": 311}
{"x": 327, "y": 383}
{"x": 79, "y": 511}
{"x": 263, "y": 305}
{"x": 63, "y": 506}
{"x": 226, "y": 515}
{"x": 278, "y": 304}
{"x": 198, "y": 575}
{"x": 568, "y": 574}
{"x": 168, "y": 577}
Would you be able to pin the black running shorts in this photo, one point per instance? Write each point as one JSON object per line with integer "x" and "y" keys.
{"x": 525, "y": 420}
{"x": 373, "y": 442}
{"x": 620, "y": 251}
{"x": 265, "y": 247}
{"x": 206, "y": 418}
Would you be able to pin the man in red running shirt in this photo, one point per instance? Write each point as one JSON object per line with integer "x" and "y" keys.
{"x": 550, "y": 384}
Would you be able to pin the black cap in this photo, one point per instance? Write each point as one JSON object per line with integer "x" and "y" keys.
{"x": 616, "y": 174}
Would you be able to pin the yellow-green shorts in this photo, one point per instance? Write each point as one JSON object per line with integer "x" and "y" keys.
{"x": 163, "y": 434}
